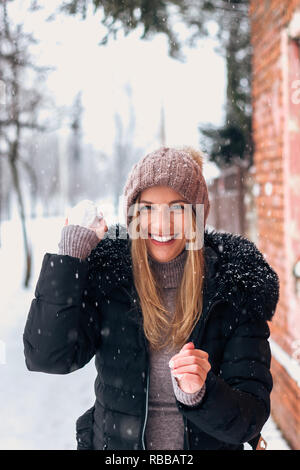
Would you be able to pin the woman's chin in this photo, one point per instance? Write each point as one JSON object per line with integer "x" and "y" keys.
{"x": 164, "y": 253}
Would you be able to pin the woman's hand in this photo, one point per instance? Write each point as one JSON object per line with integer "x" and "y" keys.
{"x": 99, "y": 227}
{"x": 86, "y": 214}
{"x": 190, "y": 366}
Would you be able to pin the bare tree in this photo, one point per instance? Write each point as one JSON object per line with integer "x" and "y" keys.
{"x": 21, "y": 107}
{"x": 231, "y": 142}
{"x": 74, "y": 150}
{"x": 125, "y": 151}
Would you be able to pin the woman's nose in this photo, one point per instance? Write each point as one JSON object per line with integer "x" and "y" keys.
{"x": 160, "y": 221}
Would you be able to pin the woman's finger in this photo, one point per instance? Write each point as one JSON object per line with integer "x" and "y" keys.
{"x": 191, "y": 369}
{"x": 100, "y": 228}
{"x": 189, "y": 353}
{"x": 190, "y": 383}
{"x": 187, "y": 346}
{"x": 187, "y": 360}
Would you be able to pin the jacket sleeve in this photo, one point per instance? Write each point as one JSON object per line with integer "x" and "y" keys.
{"x": 237, "y": 400}
{"x": 190, "y": 399}
{"x": 62, "y": 330}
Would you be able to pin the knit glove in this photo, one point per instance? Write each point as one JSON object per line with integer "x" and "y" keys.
{"x": 79, "y": 235}
{"x": 77, "y": 241}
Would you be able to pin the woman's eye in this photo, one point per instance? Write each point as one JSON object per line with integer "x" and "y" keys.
{"x": 176, "y": 207}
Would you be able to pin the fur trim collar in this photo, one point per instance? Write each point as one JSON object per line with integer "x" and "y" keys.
{"x": 237, "y": 271}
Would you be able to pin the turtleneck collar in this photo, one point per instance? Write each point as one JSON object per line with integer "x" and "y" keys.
{"x": 169, "y": 273}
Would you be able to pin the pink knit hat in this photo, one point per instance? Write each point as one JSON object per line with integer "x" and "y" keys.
{"x": 167, "y": 167}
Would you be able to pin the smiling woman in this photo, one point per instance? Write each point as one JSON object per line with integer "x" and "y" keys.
{"x": 175, "y": 315}
{"x": 162, "y": 224}
{"x": 162, "y": 192}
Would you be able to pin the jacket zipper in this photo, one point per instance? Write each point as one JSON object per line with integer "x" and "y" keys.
{"x": 147, "y": 386}
{"x": 146, "y": 412}
{"x": 148, "y": 374}
{"x": 147, "y": 390}
{"x": 186, "y": 430}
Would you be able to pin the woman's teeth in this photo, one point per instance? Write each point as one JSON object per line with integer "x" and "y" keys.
{"x": 161, "y": 239}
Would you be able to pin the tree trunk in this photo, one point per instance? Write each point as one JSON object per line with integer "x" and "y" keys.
{"x": 33, "y": 188}
{"x": 28, "y": 253}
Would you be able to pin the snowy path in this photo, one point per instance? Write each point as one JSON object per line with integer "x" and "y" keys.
{"x": 38, "y": 411}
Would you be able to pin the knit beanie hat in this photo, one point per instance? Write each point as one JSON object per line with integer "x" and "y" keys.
{"x": 171, "y": 167}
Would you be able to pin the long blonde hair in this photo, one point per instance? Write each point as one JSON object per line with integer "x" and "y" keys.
{"x": 189, "y": 295}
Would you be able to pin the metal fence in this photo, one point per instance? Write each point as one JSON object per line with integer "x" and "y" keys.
{"x": 232, "y": 202}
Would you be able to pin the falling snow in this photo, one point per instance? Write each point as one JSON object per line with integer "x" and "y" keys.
{"x": 56, "y": 400}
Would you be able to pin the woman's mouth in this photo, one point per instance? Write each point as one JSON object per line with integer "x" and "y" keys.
{"x": 162, "y": 241}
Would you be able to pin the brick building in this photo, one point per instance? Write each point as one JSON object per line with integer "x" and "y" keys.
{"x": 275, "y": 37}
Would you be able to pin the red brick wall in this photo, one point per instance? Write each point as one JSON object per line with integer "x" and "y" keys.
{"x": 276, "y": 143}
{"x": 286, "y": 404}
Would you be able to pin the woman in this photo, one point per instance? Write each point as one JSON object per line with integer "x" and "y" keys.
{"x": 175, "y": 315}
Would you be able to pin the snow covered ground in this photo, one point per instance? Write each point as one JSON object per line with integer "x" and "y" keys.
{"x": 38, "y": 411}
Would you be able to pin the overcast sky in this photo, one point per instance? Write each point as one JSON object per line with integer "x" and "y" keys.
{"x": 192, "y": 92}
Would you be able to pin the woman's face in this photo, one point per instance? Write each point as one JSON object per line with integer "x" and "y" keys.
{"x": 162, "y": 214}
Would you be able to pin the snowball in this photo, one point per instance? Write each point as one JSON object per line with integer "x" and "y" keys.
{"x": 85, "y": 213}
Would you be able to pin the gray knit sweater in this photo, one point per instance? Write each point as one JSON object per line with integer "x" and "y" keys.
{"x": 165, "y": 426}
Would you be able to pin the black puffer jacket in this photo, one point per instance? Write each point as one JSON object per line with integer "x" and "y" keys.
{"x": 91, "y": 307}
